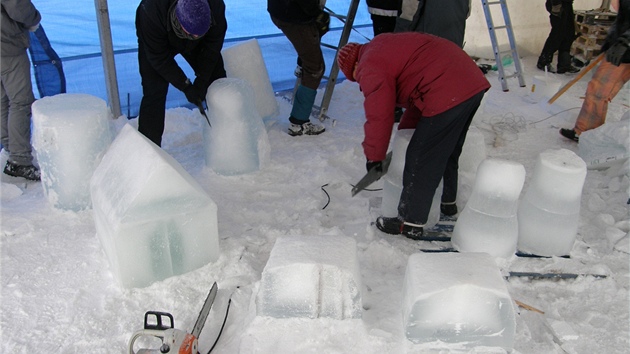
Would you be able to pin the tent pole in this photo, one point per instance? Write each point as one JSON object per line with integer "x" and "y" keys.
{"x": 107, "y": 51}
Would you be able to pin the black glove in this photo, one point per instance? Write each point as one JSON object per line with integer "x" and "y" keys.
{"x": 374, "y": 165}
{"x": 322, "y": 21}
{"x": 193, "y": 94}
{"x": 615, "y": 53}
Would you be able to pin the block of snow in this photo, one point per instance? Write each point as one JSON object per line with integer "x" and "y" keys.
{"x": 313, "y": 277}
{"x": 70, "y": 135}
{"x": 489, "y": 221}
{"x": 152, "y": 218}
{"x": 457, "y": 298}
{"x": 237, "y": 142}
{"x": 245, "y": 61}
{"x": 549, "y": 212}
{"x": 607, "y": 145}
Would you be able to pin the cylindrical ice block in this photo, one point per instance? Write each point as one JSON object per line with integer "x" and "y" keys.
{"x": 70, "y": 135}
{"x": 489, "y": 222}
{"x": 548, "y": 215}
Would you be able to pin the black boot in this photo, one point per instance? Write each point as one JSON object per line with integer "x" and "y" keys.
{"x": 544, "y": 62}
{"x": 564, "y": 64}
{"x": 397, "y": 226}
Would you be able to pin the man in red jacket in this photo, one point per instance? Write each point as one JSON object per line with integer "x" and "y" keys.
{"x": 440, "y": 87}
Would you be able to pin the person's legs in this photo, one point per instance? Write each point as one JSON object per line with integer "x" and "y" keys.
{"x": 568, "y": 36}
{"x": 433, "y": 145}
{"x": 383, "y": 24}
{"x": 16, "y": 85}
{"x": 552, "y": 43}
{"x": 4, "y": 122}
{"x": 153, "y": 105}
{"x": 603, "y": 87}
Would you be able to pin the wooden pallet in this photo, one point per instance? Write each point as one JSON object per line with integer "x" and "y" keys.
{"x": 592, "y": 30}
{"x": 591, "y": 17}
{"x": 583, "y": 52}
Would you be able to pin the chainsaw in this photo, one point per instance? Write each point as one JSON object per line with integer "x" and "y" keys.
{"x": 174, "y": 341}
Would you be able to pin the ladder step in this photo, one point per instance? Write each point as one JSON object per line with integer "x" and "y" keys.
{"x": 329, "y": 46}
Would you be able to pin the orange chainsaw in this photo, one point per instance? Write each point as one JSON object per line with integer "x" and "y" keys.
{"x": 174, "y": 341}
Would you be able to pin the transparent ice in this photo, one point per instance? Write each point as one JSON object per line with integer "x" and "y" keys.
{"x": 237, "y": 143}
{"x": 457, "y": 298}
{"x": 312, "y": 277}
{"x": 488, "y": 223}
{"x": 245, "y": 61}
{"x": 152, "y": 218}
{"x": 70, "y": 135}
{"x": 548, "y": 215}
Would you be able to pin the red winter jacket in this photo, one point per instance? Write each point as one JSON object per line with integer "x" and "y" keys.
{"x": 410, "y": 68}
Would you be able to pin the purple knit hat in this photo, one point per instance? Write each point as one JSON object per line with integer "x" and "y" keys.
{"x": 194, "y": 16}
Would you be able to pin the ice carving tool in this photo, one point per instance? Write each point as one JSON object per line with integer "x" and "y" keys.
{"x": 203, "y": 112}
{"x": 173, "y": 340}
{"x": 372, "y": 176}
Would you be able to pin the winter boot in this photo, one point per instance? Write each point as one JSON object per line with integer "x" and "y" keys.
{"x": 448, "y": 209}
{"x": 570, "y": 134}
{"x": 305, "y": 128}
{"x": 29, "y": 172}
{"x": 564, "y": 64}
{"x": 544, "y": 62}
{"x": 396, "y": 226}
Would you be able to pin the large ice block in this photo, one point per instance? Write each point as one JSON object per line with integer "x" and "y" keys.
{"x": 548, "y": 215}
{"x": 457, "y": 298}
{"x": 152, "y": 218}
{"x": 237, "y": 143}
{"x": 70, "y": 135}
{"x": 311, "y": 276}
{"x": 489, "y": 221}
{"x": 393, "y": 185}
{"x": 245, "y": 61}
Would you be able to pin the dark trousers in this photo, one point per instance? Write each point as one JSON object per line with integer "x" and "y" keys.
{"x": 154, "y": 90}
{"x": 306, "y": 41}
{"x": 433, "y": 154}
{"x": 562, "y": 33}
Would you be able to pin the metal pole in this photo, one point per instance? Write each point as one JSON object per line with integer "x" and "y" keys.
{"x": 107, "y": 51}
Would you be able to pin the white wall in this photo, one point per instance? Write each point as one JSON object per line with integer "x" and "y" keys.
{"x": 530, "y": 22}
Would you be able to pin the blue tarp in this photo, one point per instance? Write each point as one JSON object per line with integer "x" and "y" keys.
{"x": 72, "y": 29}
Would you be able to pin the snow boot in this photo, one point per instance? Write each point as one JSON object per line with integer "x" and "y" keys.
{"x": 544, "y": 62}
{"x": 396, "y": 226}
{"x": 570, "y": 134}
{"x": 29, "y": 172}
{"x": 564, "y": 64}
{"x": 306, "y": 128}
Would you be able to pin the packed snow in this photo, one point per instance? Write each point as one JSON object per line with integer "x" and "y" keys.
{"x": 60, "y": 294}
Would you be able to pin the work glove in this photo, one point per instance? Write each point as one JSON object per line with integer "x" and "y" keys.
{"x": 374, "y": 165}
{"x": 615, "y": 53}
{"x": 322, "y": 21}
{"x": 556, "y": 10}
{"x": 193, "y": 94}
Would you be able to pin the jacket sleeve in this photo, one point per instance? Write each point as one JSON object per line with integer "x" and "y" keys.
{"x": 380, "y": 100}
{"x": 154, "y": 37}
{"x": 22, "y": 11}
{"x": 212, "y": 43}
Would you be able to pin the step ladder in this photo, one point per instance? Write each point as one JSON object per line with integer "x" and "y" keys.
{"x": 498, "y": 53}
{"x": 348, "y": 21}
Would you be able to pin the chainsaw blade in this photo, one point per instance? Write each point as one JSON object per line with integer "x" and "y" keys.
{"x": 372, "y": 176}
{"x": 205, "y": 310}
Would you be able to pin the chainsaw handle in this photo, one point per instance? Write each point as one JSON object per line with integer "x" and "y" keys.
{"x": 145, "y": 333}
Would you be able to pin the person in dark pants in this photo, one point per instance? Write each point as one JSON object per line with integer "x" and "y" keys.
{"x": 384, "y": 14}
{"x": 18, "y": 18}
{"x": 303, "y": 22}
{"x": 193, "y": 28}
{"x": 560, "y": 38}
{"x": 424, "y": 76}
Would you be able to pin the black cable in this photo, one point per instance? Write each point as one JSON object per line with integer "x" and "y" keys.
{"x": 328, "y": 195}
{"x": 227, "y": 311}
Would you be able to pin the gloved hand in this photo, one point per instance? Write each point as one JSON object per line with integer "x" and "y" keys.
{"x": 322, "y": 21}
{"x": 33, "y": 28}
{"x": 376, "y": 165}
{"x": 617, "y": 50}
{"x": 556, "y": 10}
{"x": 193, "y": 94}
